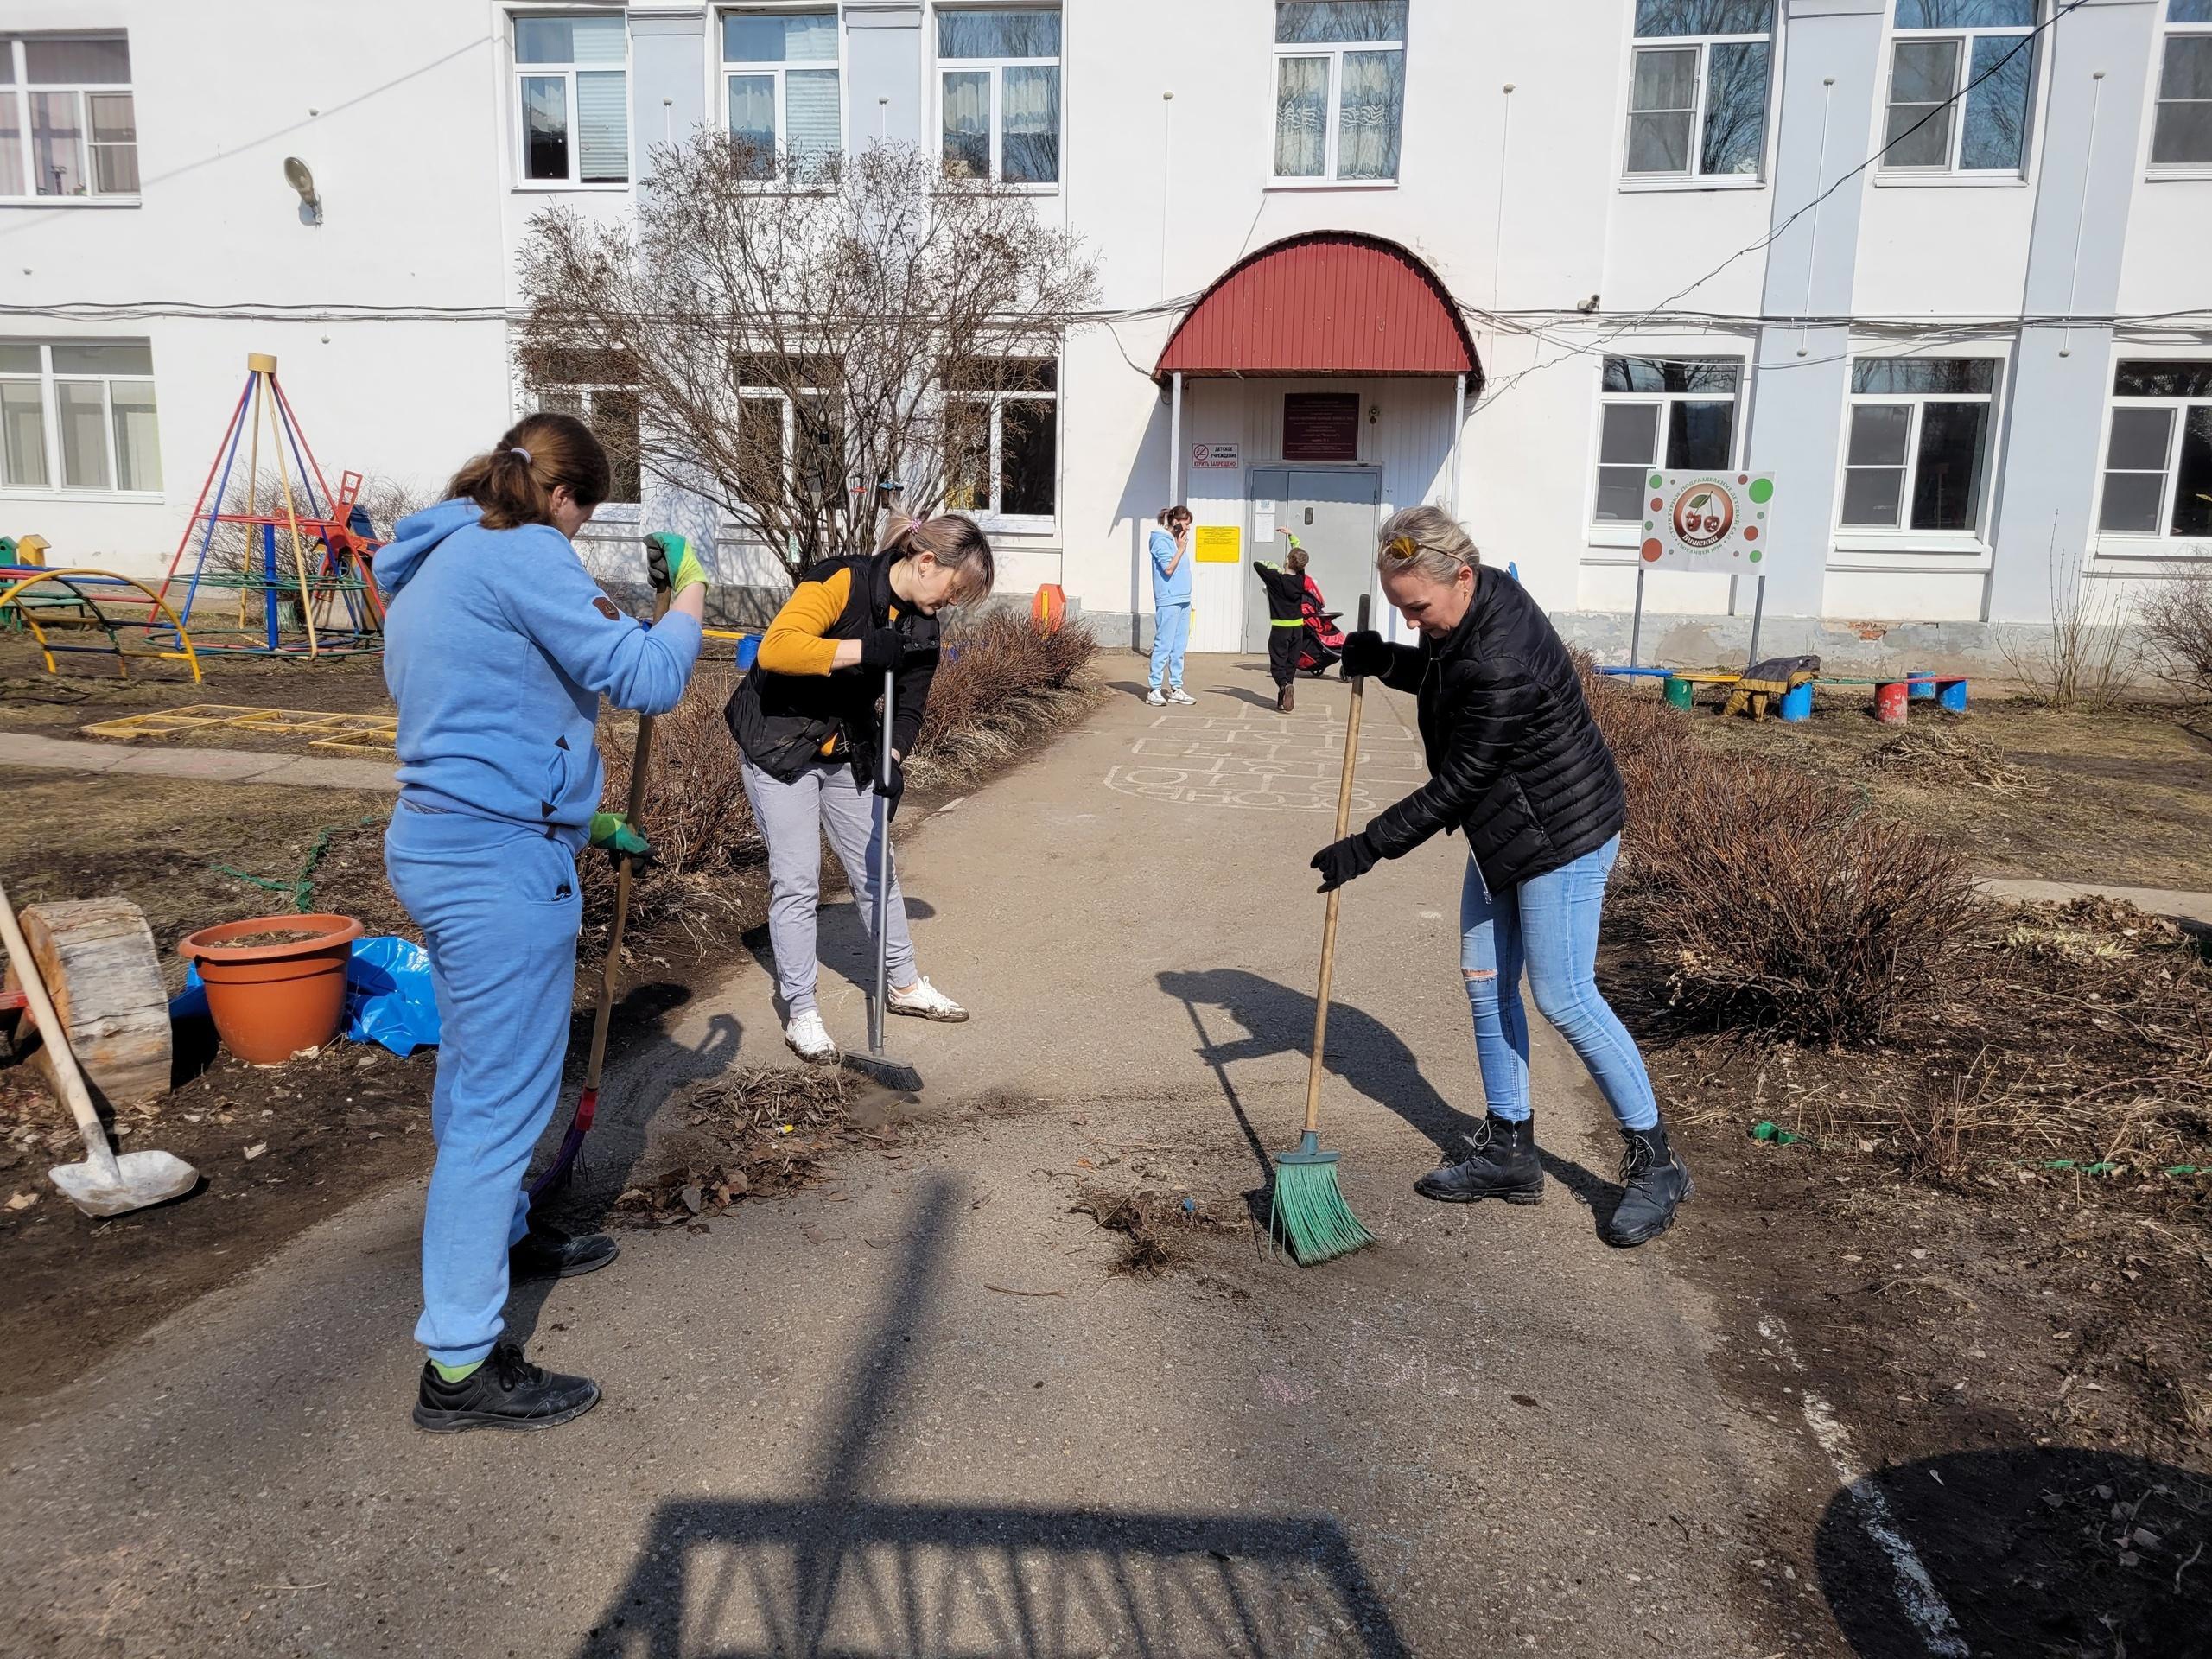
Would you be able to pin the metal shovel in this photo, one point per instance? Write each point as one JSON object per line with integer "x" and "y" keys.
{"x": 103, "y": 1184}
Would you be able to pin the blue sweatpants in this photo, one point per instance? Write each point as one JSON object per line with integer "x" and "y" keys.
{"x": 1171, "y": 632}
{"x": 498, "y": 906}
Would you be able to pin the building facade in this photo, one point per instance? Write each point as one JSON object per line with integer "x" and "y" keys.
{"x": 1943, "y": 267}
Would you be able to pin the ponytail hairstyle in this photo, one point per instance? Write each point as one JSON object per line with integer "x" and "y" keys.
{"x": 1169, "y": 515}
{"x": 514, "y": 482}
{"x": 953, "y": 540}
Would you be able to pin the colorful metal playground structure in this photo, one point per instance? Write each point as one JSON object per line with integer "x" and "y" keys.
{"x": 44, "y": 603}
{"x": 310, "y": 596}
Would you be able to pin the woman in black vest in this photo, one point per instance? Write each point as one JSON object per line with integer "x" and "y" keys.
{"x": 1515, "y": 761}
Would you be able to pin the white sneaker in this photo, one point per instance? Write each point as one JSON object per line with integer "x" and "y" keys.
{"x": 1154, "y": 697}
{"x": 809, "y": 1039}
{"x": 925, "y": 1001}
{"x": 1178, "y": 695}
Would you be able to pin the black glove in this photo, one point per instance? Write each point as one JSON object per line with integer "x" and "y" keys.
{"x": 883, "y": 648}
{"x": 1365, "y": 654}
{"x": 892, "y": 790}
{"x": 1344, "y": 861}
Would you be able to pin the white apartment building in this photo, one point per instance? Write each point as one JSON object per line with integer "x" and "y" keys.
{"x": 1944, "y": 267}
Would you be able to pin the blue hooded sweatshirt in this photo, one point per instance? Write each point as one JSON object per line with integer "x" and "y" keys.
{"x": 1167, "y": 590}
{"x": 497, "y": 646}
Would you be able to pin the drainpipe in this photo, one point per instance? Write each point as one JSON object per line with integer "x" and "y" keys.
{"x": 1458, "y": 430}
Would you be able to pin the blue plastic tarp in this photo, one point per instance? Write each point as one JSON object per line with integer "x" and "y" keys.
{"x": 388, "y": 995}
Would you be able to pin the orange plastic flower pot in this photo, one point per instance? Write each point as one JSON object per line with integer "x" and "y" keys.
{"x": 273, "y": 1002}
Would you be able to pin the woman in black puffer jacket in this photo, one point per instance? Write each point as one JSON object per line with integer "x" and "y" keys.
{"x": 1515, "y": 761}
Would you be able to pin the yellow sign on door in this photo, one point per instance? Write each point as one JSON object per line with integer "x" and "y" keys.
{"x": 1218, "y": 544}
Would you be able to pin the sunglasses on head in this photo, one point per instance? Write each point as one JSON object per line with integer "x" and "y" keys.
{"x": 1403, "y": 549}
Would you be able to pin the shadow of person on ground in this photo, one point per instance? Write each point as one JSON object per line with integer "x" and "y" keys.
{"x": 841, "y": 1570}
{"x": 2025, "y": 1550}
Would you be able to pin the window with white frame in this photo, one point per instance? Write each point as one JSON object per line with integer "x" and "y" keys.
{"x": 79, "y": 415}
{"x": 780, "y": 87}
{"x": 67, "y": 127}
{"x": 791, "y": 445}
{"x": 2159, "y": 456}
{"x": 1697, "y": 99}
{"x": 572, "y": 98}
{"x": 1675, "y": 413}
{"x": 1940, "y": 49}
{"x": 600, "y": 389}
{"x": 2181, "y": 136}
{"x": 1340, "y": 88}
{"x": 1916, "y": 457}
{"x": 1002, "y": 439}
{"x": 998, "y": 93}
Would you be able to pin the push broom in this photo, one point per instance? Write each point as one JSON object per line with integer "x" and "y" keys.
{"x": 610, "y": 969}
{"x": 1308, "y": 1212}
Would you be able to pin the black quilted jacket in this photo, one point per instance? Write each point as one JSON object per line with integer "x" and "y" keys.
{"x": 1514, "y": 758}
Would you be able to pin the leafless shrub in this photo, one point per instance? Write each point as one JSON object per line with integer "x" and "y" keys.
{"x": 2090, "y": 659}
{"x": 1006, "y": 683}
{"x": 782, "y": 328}
{"x": 2177, "y": 621}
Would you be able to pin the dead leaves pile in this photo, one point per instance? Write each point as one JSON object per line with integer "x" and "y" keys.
{"x": 762, "y": 1132}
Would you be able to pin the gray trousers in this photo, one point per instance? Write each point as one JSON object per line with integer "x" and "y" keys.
{"x": 793, "y": 817}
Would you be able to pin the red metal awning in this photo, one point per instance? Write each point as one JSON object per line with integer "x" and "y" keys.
{"x": 1325, "y": 302}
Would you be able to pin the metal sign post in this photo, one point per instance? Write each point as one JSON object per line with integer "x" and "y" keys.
{"x": 1635, "y": 617}
{"x": 1758, "y": 610}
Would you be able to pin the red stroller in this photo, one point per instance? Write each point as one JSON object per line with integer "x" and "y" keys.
{"x": 1321, "y": 645}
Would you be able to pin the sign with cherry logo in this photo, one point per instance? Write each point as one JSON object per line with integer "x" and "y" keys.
{"x": 1709, "y": 520}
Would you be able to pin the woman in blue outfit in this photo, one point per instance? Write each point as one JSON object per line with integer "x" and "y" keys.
{"x": 497, "y": 648}
{"x": 1170, "y": 548}
{"x": 1516, "y": 764}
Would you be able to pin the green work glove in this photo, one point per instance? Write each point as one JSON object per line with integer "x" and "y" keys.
{"x": 612, "y": 831}
{"x": 671, "y": 563}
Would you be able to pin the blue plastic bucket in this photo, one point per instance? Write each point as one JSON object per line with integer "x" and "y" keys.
{"x": 748, "y": 650}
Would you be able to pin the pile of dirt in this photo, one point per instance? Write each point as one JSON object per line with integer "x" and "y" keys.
{"x": 763, "y": 1132}
{"x": 1938, "y": 756}
{"x": 1159, "y": 1230}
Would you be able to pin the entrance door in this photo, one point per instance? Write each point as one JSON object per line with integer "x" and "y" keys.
{"x": 1335, "y": 515}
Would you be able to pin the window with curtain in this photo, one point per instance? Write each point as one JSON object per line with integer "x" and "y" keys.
{"x": 999, "y": 93}
{"x": 79, "y": 416}
{"x": 2158, "y": 472}
{"x": 1961, "y": 78}
{"x": 67, "y": 125}
{"x": 1001, "y": 425}
{"x": 1675, "y": 413}
{"x": 1340, "y": 89}
{"x": 2181, "y": 135}
{"x": 572, "y": 98}
{"x": 1916, "y": 456}
{"x": 1698, "y": 76}
{"x": 782, "y": 87}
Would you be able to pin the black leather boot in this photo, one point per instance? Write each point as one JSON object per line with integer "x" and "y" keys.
{"x": 507, "y": 1391}
{"x": 547, "y": 1252}
{"x": 1656, "y": 1181}
{"x": 1504, "y": 1166}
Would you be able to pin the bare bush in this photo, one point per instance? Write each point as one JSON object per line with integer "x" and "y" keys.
{"x": 2090, "y": 659}
{"x": 780, "y": 328}
{"x": 1004, "y": 683}
{"x": 2177, "y": 621}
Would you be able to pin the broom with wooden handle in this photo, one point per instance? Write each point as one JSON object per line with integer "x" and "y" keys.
{"x": 1308, "y": 1212}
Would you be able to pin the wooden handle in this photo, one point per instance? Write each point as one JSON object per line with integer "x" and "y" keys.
{"x": 1329, "y": 927}
{"x": 610, "y": 969}
{"x": 56, "y": 1036}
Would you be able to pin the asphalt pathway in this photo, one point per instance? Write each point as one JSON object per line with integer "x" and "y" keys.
{"x": 919, "y": 1411}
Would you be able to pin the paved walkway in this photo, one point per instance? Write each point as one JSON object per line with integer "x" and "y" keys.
{"x": 2158, "y": 901}
{"x": 224, "y": 765}
{"x": 917, "y": 1412}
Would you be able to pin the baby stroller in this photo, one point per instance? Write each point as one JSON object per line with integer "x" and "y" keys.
{"x": 1321, "y": 644}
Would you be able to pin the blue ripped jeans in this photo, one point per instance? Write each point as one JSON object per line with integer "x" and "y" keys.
{"x": 1548, "y": 926}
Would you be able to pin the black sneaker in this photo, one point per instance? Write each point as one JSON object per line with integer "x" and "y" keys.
{"x": 1505, "y": 1165}
{"x": 1656, "y": 1181}
{"x": 546, "y": 1251}
{"x": 507, "y": 1391}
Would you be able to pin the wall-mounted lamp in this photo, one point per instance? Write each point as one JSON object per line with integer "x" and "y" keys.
{"x": 297, "y": 175}
{"x": 1374, "y": 413}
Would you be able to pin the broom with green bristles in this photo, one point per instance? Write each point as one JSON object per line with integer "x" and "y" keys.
{"x": 1308, "y": 1214}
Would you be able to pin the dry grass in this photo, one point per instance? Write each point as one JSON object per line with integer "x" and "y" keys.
{"x": 1937, "y": 757}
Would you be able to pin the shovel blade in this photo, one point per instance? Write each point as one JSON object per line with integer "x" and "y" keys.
{"x": 140, "y": 1179}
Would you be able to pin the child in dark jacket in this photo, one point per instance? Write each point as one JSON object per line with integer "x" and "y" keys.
{"x": 1285, "y": 585}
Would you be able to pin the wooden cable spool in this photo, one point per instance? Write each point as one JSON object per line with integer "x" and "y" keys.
{"x": 98, "y": 959}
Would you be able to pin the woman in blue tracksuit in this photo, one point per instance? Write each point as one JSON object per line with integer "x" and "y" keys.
{"x": 497, "y": 648}
{"x": 1170, "y": 549}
